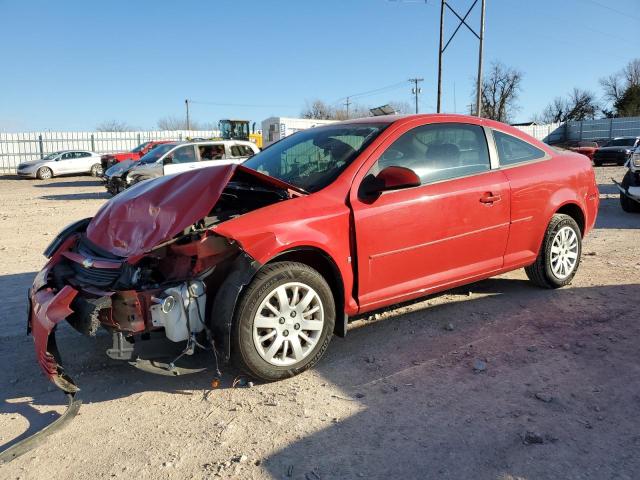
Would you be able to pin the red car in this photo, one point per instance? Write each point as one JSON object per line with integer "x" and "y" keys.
{"x": 110, "y": 159}
{"x": 264, "y": 261}
{"x": 585, "y": 148}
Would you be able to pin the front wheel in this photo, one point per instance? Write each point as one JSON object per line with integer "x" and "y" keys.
{"x": 283, "y": 322}
{"x": 559, "y": 256}
{"x": 96, "y": 170}
{"x": 44, "y": 173}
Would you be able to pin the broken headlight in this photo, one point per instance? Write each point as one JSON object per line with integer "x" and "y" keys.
{"x": 67, "y": 231}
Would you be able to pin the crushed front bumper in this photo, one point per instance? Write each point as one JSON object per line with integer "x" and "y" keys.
{"x": 46, "y": 310}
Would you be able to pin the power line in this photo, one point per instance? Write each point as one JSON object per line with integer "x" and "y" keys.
{"x": 248, "y": 105}
{"x": 625, "y": 14}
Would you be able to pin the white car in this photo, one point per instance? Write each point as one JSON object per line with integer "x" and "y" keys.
{"x": 64, "y": 162}
{"x": 179, "y": 157}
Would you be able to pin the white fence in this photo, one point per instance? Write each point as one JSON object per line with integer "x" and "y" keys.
{"x": 20, "y": 147}
{"x": 541, "y": 132}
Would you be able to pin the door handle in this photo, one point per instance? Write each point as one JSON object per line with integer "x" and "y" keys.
{"x": 490, "y": 198}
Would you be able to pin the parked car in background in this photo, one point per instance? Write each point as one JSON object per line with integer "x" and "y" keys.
{"x": 174, "y": 157}
{"x": 616, "y": 151}
{"x": 267, "y": 259}
{"x": 64, "y": 162}
{"x": 584, "y": 147}
{"x": 110, "y": 159}
{"x": 630, "y": 185}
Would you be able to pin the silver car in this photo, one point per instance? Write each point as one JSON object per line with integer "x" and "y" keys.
{"x": 63, "y": 162}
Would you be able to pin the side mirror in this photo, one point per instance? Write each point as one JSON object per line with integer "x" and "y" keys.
{"x": 167, "y": 160}
{"x": 390, "y": 178}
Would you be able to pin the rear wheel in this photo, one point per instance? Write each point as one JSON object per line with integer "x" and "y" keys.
{"x": 559, "y": 256}
{"x": 96, "y": 170}
{"x": 629, "y": 205}
{"x": 44, "y": 173}
{"x": 284, "y": 321}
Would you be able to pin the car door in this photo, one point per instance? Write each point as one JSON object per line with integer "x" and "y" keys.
{"x": 181, "y": 159}
{"x": 84, "y": 162}
{"x": 65, "y": 163}
{"x": 452, "y": 228}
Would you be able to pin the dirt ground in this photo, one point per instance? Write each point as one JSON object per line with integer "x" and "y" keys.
{"x": 554, "y": 393}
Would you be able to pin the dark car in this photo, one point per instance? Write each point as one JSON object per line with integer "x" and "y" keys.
{"x": 616, "y": 151}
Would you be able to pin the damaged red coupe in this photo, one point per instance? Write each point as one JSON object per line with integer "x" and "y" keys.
{"x": 264, "y": 262}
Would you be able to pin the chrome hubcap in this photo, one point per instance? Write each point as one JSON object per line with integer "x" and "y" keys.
{"x": 564, "y": 252}
{"x": 288, "y": 324}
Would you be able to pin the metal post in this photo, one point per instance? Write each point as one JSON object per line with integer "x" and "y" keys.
{"x": 186, "y": 102}
{"x": 93, "y": 143}
{"x": 439, "y": 103}
{"x": 41, "y": 145}
{"x": 479, "y": 86}
{"x": 139, "y": 139}
{"x": 347, "y": 103}
{"x": 416, "y": 90}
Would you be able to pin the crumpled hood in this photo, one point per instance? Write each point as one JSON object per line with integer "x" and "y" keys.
{"x": 152, "y": 212}
{"x": 119, "y": 168}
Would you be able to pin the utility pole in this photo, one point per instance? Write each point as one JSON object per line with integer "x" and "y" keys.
{"x": 462, "y": 21}
{"x": 479, "y": 85}
{"x": 440, "y": 51}
{"x": 186, "y": 102}
{"x": 416, "y": 90}
{"x": 347, "y": 103}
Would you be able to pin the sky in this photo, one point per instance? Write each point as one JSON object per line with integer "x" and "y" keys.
{"x": 70, "y": 65}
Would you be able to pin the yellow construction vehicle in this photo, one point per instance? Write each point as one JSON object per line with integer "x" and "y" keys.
{"x": 239, "y": 130}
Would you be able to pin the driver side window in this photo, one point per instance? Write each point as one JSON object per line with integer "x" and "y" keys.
{"x": 184, "y": 154}
{"x": 439, "y": 152}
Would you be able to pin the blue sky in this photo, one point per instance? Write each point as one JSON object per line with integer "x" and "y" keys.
{"x": 69, "y": 65}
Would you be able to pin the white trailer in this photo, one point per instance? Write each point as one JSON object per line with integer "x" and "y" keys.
{"x": 276, "y": 128}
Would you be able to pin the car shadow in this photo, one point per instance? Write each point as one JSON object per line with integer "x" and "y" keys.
{"x": 76, "y": 183}
{"x": 78, "y": 196}
{"x": 408, "y": 414}
{"x": 610, "y": 213}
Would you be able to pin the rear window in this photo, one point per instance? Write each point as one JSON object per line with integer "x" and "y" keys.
{"x": 512, "y": 150}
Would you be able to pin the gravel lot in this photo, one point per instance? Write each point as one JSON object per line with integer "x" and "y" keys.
{"x": 554, "y": 393}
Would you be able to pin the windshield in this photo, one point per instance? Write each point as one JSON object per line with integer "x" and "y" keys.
{"x": 312, "y": 159}
{"x": 621, "y": 142}
{"x": 154, "y": 155}
{"x": 140, "y": 147}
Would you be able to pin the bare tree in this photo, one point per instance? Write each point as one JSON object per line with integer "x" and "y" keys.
{"x": 318, "y": 110}
{"x": 177, "y": 123}
{"x": 114, "y": 126}
{"x": 613, "y": 87}
{"x": 402, "y": 107}
{"x": 579, "y": 105}
{"x": 500, "y": 89}
{"x": 616, "y": 85}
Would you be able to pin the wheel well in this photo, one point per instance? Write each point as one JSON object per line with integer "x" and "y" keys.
{"x": 575, "y": 212}
{"x": 324, "y": 264}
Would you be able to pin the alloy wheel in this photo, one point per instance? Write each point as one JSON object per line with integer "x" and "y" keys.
{"x": 288, "y": 324}
{"x": 564, "y": 252}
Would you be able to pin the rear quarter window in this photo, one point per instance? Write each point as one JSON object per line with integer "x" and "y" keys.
{"x": 512, "y": 150}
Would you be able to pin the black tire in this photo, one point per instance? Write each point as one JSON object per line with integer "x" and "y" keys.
{"x": 44, "y": 173}
{"x": 629, "y": 205}
{"x": 540, "y": 272}
{"x": 96, "y": 170}
{"x": 244, "y": 354}
{"x": 597, "y": 163}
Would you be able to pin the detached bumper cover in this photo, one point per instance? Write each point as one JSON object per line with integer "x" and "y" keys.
{"x": 47, "y": 310}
